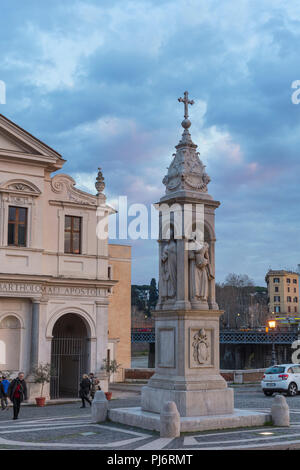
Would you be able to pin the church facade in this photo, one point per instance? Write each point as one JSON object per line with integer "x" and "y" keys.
{"x": 58, "y": 288}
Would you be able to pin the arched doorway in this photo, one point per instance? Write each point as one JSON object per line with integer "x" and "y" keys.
{"x": 10, "y": 339}
{"x": 70, "y": 355}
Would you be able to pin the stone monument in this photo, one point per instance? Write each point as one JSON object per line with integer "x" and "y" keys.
{"x": 187, "y": 315}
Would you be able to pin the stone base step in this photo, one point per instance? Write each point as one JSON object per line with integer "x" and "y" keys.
{"x": 143, "y": 419}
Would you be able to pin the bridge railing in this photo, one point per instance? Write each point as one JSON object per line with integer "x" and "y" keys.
{"x": 228, "y": 336}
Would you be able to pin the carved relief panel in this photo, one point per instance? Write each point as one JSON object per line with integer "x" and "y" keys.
{"x": 201, "y": 343}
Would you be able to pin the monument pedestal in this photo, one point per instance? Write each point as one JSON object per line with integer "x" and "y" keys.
{"x": 189, "y": 403}
{"x": 187, "y": 373}
{"x": 187, "y": 365}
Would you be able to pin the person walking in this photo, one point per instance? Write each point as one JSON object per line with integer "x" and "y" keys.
{"x": 84, "y": 391}
{"x": 2, "y": 396}
{"x": 17, "y": 392}
{"x": 94, "y": 382}
{"x": 3, "y": 392}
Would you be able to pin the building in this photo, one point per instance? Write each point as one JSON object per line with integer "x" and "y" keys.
{"x": 283, "y": 292}
{"x": 119, "y": 308}
{"x": 62, "y": 288}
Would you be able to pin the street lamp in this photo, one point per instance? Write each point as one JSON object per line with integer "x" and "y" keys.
{"x": 272, "y": 326}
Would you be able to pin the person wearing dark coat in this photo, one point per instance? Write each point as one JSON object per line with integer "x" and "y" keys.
{"x": 94, "y": 383}
{"x": 4, "y": 384}
{"x": 2, "y": 396}
{"x": 17, "y": 392}
{"x": 84, "y": 391}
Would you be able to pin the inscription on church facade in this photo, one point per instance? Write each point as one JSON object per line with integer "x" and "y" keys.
{"x": 34, "y": 288}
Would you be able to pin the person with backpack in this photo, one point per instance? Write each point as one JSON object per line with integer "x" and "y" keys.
{"x": 94, "y": 384}
{"x": 3, "y": 392}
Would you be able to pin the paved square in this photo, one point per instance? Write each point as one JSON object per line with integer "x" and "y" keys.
{"x": 69, "y": 427}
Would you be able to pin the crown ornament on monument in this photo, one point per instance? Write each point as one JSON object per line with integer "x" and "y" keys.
{"x": 100, "y": 182}
{"x": 186, "y": 171}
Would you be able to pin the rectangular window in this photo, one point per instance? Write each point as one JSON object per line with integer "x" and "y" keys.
{"x": 288, "y": 280}
{"x": 276, "y": 289}
{"x": 295, "y": 281}
{"x": 289, "y": 299}
{"x": 17, "y": 226}
{"x": 276, "y": 279}
{"x": 276, "y": 298}
{"x": 72, "y": 234}
{"x": 277, "y": 309}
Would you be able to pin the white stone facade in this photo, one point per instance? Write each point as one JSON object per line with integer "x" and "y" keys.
{"x": 40, "y": 283}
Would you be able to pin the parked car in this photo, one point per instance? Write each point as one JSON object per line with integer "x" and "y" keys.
{"x": 283, "y": 378}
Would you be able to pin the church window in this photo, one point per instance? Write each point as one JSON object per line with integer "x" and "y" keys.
{"x": 17, "y": 226}
{"x": 72, "y": 234}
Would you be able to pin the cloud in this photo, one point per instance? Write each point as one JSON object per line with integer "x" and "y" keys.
{"x": 99, "y": 82}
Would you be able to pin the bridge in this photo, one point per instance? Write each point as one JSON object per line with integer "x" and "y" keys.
{"x": 147, "y": 335}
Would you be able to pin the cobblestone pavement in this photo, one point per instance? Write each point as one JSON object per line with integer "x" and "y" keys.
{"x": 69, "y": 427}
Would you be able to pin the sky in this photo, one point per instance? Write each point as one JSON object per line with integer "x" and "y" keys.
{"x": 99, "y": 80}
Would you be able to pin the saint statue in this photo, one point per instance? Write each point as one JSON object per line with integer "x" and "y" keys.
{"x": 169, "y": 269}
{"x": 200, "y": 270}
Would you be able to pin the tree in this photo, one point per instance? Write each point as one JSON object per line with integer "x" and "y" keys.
{"x": 244, "y": 304}
{"x": 144, "y": 297}
{"x": 111, "y": 367}
{"x": 153, "y": 295}
{"x": 42, "y": 374}
{"x": 139, "y": 296}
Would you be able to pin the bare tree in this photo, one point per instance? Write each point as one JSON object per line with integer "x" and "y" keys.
{"x": 244, "y": 305}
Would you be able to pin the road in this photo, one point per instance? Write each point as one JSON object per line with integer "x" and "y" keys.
{"x": 69, "y": 427}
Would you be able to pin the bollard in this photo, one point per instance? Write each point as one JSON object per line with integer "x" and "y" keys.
{"x": 280, "y": 411}
{"x": 169, "y": 420}
{"x": 99, "y": 407}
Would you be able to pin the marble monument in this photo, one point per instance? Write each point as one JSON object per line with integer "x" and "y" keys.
{"x": 187, "y": 315}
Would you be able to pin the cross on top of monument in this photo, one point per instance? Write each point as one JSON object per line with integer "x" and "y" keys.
{"x": 186, "y": 102}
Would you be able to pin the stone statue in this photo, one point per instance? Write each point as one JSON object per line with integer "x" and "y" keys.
{"x": 169, "y": 269}
{"x": 200, "y": 347}
{"x": 200, "y": 270}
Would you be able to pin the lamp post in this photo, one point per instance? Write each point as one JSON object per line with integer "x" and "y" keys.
{"x": 272, "y": 326}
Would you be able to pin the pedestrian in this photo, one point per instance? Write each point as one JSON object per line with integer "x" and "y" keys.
{"x": 84, "y": 391}
{"x": 17, "y": 392}
{"x": 3, "y": 392}
{"x": 2, "y": 396}
{"x": 94, "y": 382}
